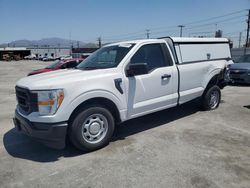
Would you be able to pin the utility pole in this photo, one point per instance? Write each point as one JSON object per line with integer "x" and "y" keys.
{"x": 181, "y": 26}
{"x": 240, "y": 39}
{"x": 99, "y": 40}
{"x": 147, "y": 33}
{"x": 247, "y": 38}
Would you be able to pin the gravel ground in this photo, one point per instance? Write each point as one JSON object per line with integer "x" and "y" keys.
{"x": 178, "y": 147}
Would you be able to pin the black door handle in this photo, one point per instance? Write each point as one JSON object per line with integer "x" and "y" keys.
{"x": 165, "y": 76}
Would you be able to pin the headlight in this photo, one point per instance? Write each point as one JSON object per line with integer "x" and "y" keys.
{"x": 49, "y": 101}
{"x": 227, "y": 74}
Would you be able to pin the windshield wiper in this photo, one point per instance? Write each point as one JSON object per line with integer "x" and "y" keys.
{"x": 89, "y": 68}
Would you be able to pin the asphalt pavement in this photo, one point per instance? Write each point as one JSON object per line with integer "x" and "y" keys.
{"x": 179, "y": 147}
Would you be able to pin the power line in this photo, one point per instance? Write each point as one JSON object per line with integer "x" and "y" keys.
{"x": 165, "y": 31}
{"x": 213, "y": 23}
{"x": 203, "y": 20}
{"x": 199, "y": 21}
{"x": 233, "y": 32}
{"x": 189, "y": 24}
{"x": 215, "y": 17}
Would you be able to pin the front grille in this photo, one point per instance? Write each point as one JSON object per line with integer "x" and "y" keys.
{"x": 237, "y": 79}
{"x": 26, "y": 100}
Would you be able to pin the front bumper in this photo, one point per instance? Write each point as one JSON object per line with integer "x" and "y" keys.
{"x": 50, "y": 134}
{"x": 243, "y": 78}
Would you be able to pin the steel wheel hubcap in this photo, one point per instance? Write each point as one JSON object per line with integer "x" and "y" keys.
{"x": 94, "y": 128}
{"x": 214, "y": 99}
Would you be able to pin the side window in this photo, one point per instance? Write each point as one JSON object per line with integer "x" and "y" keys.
{"x": 151, "y": 54}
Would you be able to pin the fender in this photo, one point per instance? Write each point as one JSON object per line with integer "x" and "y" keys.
{"x": 97, "y": 94}
{"x": 210, "y": 76}
{"x": 214, "y": 70}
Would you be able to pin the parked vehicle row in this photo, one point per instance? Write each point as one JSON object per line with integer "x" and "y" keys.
{"x": 240, "y": 71}
{"x": 119, "y": 82}
{"x": 58, "y": 64}
{"x": 30, "y": 57}
{"x": 46, "y": 57}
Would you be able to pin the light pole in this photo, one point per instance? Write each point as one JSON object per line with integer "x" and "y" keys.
{"x": 248, "y": 27}
{"x": 181, "y": 26}
{"x": 147, "y": 33}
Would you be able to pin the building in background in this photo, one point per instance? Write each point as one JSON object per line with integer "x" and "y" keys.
{"x": 50, "y": 51}
{"x": 16, "y": 53}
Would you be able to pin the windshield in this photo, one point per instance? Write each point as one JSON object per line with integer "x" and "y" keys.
{"x": 54, "y": 65}
{"x": 106, "y": 57}
{"x": 244, "y": 59}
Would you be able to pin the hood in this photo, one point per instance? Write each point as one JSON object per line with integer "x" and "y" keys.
{"x": 240, "y": 66}
{"x": 60, "y": 78}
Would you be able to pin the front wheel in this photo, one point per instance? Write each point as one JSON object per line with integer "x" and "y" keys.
{"x": 92, "y": 128}
{"x": 211, "y": 98}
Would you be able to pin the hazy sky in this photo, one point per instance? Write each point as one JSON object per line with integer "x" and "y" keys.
{"x": 85, "y": 20}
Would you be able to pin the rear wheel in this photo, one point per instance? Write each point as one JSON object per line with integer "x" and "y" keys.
{"x": 211, "y": 98}
{"x": 92, "y": 128}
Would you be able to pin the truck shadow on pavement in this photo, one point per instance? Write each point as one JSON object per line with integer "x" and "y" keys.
{"x": 21, "y": 146}
{"x": 247, "y": 106}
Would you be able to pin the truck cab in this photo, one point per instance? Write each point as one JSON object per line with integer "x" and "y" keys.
{"x": 119, "y": 82}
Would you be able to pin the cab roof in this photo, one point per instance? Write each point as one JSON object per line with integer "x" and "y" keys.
{"x": 196, "y": 39}
{"x": 176, "y": 40}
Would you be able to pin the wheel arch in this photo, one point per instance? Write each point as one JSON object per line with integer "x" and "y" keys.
{"x": 213, "y": 81}
{"x": 216, "y": 78}
{"x": 105, "y": 102}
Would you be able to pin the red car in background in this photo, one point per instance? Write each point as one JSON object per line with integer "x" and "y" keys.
{"x": 59, "y": 64}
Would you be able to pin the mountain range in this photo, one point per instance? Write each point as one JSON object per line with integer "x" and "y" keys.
{"x": 48, "y": 42}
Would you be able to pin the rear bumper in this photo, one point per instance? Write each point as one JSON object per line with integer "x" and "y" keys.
{"x": 50, "y": 134}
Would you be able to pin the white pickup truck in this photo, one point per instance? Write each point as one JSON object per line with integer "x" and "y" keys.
{"x": 119, "y": 82}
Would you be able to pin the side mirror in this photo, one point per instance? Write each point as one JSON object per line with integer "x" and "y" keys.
{"x": 137, "y": 69}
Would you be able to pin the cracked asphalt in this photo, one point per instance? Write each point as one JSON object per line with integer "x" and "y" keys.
{"x": 177, "y": 147}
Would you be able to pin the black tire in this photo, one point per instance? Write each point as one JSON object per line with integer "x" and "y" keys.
{"x": 207, "y": 102}
{"x": 78, "y": 133}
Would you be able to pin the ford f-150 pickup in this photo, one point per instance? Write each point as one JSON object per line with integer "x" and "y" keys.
{"x": 119, "y": 82}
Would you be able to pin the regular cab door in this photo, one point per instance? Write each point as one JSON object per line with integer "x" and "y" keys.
{"x": 157, "y": 89}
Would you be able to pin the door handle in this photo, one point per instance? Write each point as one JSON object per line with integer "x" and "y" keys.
{"x": 165, "y": 76}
